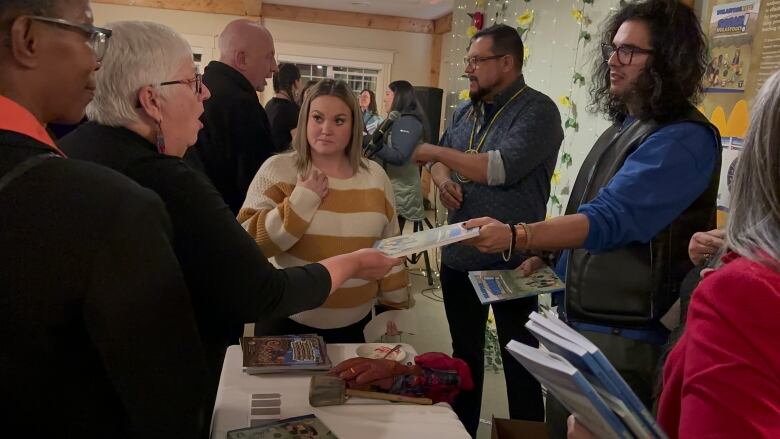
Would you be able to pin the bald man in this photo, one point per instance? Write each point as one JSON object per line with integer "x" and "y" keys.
{"x": 236, "y": 138}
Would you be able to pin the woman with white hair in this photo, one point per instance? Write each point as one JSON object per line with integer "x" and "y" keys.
{"x": 144, "y": 116}
{"x": 722, "y": 379}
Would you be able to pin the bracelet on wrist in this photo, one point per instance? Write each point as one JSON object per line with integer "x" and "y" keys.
{"x": 508, "y": 254}
{"x": 527, "y": 231}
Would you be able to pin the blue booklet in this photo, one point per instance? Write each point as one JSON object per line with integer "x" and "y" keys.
{"x": 572, "y": 389}
{"x": 500, "y": 285}
{"x": 556, "y": 336}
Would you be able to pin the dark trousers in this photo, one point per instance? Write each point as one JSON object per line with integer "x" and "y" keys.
{"x": 348, "y": 334}
{"x": 467, "y": 319}
{"x": 637, "y": 363}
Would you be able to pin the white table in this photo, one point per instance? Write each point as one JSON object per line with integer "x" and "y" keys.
{"x": 374, "y": 420}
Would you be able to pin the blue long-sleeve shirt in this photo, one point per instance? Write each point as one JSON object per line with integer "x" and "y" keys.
{"x": 657, "y": 182}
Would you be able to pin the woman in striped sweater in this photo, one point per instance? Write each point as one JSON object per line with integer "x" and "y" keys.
{"x": 324, "y": 199}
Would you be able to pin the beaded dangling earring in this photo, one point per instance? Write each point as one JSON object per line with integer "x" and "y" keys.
{"x": 160, "y": 139}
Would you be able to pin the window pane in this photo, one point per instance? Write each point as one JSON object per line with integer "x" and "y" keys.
{"x": 356, "y": 77}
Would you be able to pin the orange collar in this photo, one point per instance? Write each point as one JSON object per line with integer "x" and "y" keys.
{"x": 14, "y": 117}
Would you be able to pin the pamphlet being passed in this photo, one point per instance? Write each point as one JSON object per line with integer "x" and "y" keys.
{"x": 500, "y": 285}
{"x": 284, "y": 353}
{"x": 300, "y": 427}
{"x": 405, "y": 245}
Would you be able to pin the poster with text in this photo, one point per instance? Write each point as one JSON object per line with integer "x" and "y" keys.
{"x": 731, "y": 31}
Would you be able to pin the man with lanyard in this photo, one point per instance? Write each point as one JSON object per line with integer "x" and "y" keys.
{"x": 89, "y": 284}
{"x": 648, "y": 184}
{"x": 497, "y": 159}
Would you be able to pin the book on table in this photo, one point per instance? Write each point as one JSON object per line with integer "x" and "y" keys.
{"x": 579, "y": 375}
{"x": 285, "y": 353}
{"x": 500, "y": 285}
{"x": 301, "y": 427}
{"x": 405, "y": 245}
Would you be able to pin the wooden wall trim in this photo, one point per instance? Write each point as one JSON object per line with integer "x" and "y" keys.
{"x": 258, "y": 8}
{"x": 351, "y": 19}
{"x": 436, "y": 47}
{"x": 443, "y": 25}
{"x": 250, "y": 8}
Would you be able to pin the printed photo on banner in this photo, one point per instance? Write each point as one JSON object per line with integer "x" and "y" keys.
{"x": 731, "y": 31}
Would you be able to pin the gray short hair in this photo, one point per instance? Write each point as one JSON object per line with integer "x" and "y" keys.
{"x": 754, "y": 222}
{"x": 140, "y": 53}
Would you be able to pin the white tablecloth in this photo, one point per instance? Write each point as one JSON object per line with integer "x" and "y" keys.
{"x": 375, "y": 420}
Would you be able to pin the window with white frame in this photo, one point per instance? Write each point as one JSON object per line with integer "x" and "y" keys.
{"x": 358, "y": 78}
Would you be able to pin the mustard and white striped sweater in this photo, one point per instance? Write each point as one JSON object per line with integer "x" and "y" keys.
{"x": 292, "y": 225}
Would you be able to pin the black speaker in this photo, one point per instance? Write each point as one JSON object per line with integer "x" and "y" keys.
{"x": 430, "y": 99}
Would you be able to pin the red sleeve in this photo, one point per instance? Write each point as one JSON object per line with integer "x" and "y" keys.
{"x": 731, "y": 383}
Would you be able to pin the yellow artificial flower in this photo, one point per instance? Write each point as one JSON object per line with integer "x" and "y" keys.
{"x": 471, "y": 31}
{"x": 565, "y": 101}
{"x": 480, "y": 4}
{"x": 463, "y": 95}
{"x": 577, "y": 14}
{"x": 526, "y": 18}
{"x": 556, "y": 177}
{"x": 526, "y": 53}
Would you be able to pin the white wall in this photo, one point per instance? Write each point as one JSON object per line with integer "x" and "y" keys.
{"x": 409, "y": 53}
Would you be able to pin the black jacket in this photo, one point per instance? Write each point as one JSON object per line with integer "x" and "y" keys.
{"x": 230, "y": 280}
{"x": 283, "y": 115}
{"x": 97, "y": 334}
{"x": 634, "y": 285}
{"x": 236, "y": 136}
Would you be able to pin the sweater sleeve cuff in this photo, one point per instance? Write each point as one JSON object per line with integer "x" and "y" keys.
{"x": 304, "y": 201}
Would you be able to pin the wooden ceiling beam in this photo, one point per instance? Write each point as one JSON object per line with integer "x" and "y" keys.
{"x": 252, "y": 8}
{"x": 351, "y": 19}
{"x": 443, "y": 25}
{"x": 258, "y": 8}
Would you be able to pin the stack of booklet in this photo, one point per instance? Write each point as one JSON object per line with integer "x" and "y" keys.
{"x": 583, "y": 380}
{"x": 285, "y": 353}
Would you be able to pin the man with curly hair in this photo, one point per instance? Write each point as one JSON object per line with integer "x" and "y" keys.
{"x": 647, "y": 185}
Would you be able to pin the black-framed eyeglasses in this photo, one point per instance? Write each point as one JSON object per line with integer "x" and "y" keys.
{"x": 625, "y": 54}
{"x": 197, "y": 80}
{"x": 473, "y": 61}
{"x": 97, "y": 37}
